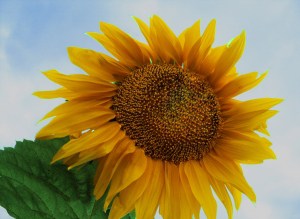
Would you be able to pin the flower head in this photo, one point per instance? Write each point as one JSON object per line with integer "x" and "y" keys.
{"x": 162, "y": 120}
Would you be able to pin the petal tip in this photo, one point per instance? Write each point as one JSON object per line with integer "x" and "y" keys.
{"x": 243, "y": 33}
{"x": 213, "y": 21}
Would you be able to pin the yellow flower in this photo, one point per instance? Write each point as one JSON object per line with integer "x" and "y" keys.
{"x": 161, "y": 120}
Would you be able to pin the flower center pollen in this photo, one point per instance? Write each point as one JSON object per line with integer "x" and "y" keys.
{"x": 171, "y": 113}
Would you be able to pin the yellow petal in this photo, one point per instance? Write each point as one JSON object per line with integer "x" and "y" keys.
{"x": 211, "y": 60}
{"x": 193, "y": 55}
{"x": 130, "y": 169}
{"x": 228, "y": 172}
{"x": 95, "y": 64}
{"x": 229, "y": 57}
{"x": 248, "y": 121}
{"x": 262, "y": 128}
{"x": 127, "y": 198}
{"x": 244, "y": 151}
{"x": 106, "y": 43}
{"x": 221, "y": 191}
{"x": 98, "y": 151}
{"x": 68, "y": 161}
{"x": 189, "y": 37}
{"x": 185, "y": 209}
{"x": 230, "y": 76}
{"x": 71, "y": 95}
{"x": 168, "y": 39}
{"x": 147, "y": 52}
{"x": 145, "y": 30}
{"x": 247, "y": 136}
{"x": 240, "y": 85}
{"x": 111, "y": 163}
{"x": 162, "y": 56}
{"x": 89, "y": 140}
{"x": 76, "y": 107}
{"x": 173, "y": 203}
{"x": 80, "y": 82}
{"x": 64, "y": 125}
{"x": 253, "y": 105}
{"x": 100, "y": 165}
{"x": 164, "y": 208}
{"x": 59, "y": 93}
{"x": 251, "y": 137}
{"x": 128, "y": 50}
{"x": 144, "y": 208}
{"x": 207, "y": 40}
{"x": 181, "y": 37}
{"x": 191, "y": 200}
{"x": 201, "y": 188}
{"x": 236, "y": 194}
{"x": 143, "y": 27}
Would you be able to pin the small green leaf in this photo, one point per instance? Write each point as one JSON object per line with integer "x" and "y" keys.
{"x": 131, "y": 215}
{"x": 32, "y": 188}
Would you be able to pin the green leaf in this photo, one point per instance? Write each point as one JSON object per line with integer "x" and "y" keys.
{"x": 32, "y": 188}
{"x": 131, "y": 215}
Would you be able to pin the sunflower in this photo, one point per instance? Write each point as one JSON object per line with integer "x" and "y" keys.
{"x": 162, "y": 120}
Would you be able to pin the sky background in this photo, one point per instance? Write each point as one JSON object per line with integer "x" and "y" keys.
{"x": 34, "y": 36}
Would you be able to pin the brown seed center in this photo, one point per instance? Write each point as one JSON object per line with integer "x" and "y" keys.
{"x": 171, "y": 113}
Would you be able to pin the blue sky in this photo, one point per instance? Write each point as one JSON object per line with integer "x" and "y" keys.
{"x": 34, "y": 36}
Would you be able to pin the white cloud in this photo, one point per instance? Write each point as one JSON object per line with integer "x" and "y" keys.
{"x": 4, "y": 35}
{"x": 20, "y": 110}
